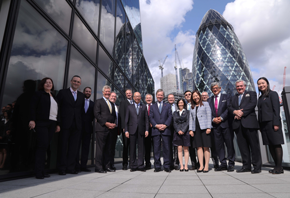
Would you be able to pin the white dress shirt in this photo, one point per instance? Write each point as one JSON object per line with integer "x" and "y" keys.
{"x": 72, "y": 92}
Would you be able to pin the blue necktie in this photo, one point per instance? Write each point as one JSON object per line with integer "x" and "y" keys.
{"x": 137, "y": 109}
{"x": 86, "y": 106}
{"x": 160, "y": 107}
{"x": 75, "y": 95}
{"x": 240, "y": 99}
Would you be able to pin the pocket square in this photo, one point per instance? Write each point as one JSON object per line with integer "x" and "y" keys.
{"x": 224, "y": 100}
{"x": 247, "y": 95}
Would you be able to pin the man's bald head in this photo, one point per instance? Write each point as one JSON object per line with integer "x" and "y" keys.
{"x": 137, "y": 97}
{"x": 204, "y": 96}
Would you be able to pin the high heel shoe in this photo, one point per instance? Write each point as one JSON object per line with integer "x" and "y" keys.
{"x": 186, "y": 170}
{"x": 205, "y": 171}
{"x": 199, "y": 171}
{"x": 181, "y": 170}
{"x": 275, "y": 172}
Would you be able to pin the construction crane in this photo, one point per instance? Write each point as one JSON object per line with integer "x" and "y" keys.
{"x": 161, "y": 66}
{"x": 175, "y": 67}
{"x": 284, "y": 77}
{"x": 273, "y": 88}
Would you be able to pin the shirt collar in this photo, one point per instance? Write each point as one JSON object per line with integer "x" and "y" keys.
{"x": 105, "y": 98}
{"x": 219, "y": 95}
{"x": 181, "y": 110}
{"x": 73, "y": 90}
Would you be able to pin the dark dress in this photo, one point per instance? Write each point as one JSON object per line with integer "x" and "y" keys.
{"x": 269, "y": 116}
{"x": 200, "y": 138}
{"x": 180, "y": 123}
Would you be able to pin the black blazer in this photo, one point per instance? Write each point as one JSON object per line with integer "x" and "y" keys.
{"x": 40, "y": 106}
{"x": 181, "y": 123}
{"x": 269, "y": 108}
{"x": 224, "y": 102}
{"x": 103, "y": 115}
{"x": 69, "y": 110}
{"x": 134, "y": 122}
{"x": 248, "y": 104}
{"x": 123, "y": 108}
{"x": 88, "y": 118}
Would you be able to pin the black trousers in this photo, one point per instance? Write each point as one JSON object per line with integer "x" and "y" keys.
{"x": 214, "y": 153}
{"x": 113, "y": 146}
{"x": 68, "y": 148}
{"x": 148, "y": 144}
{"x": 84, "y": 145}
{"x": 174, "y": 153}
{"x": 126, "y": 143}
{"x": 44, "y": 133}
{"x": 135, "y": 139}
{"x": 166, "y": 147}
{"x": 192, "y": 155}
{"x": 103, "y": 145}
{"x": 223, "y": 137}
{"x": 249, "y": 146}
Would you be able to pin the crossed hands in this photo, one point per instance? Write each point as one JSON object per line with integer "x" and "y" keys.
{"x": 217, "y": 120}
{"x": 110, "y": 125}
{"x": 238, "y": 114}
{"x": 161, "y": 127}
{"x": 127, "y": 134}
{"x": 180, "y": 133}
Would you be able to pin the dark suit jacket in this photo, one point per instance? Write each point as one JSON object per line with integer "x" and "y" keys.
{"x": 165, "y": 117}
{"x": 134, "y": 122}
{"x": 269, "y": 108}
{"x": 224, "y": 102}
{"x": 123, "y": 108}
{"x": 40, "y": 106}
{"x": 88, "y": 118}
{"x": 248, "y": 104}
{"x": 103, "y": 115}
{"x": 69, "y": 110}
{"x": 181, "y": 123}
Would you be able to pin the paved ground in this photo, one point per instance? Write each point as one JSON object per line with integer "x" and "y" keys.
{"x": 149, "y": 184}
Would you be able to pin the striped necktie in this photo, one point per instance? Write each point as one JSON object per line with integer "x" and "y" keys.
{"x": 108, "y": 103}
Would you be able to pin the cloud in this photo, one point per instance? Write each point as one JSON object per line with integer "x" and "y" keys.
{"x": 159, "y": 20}
{"x": 262, "y": 27}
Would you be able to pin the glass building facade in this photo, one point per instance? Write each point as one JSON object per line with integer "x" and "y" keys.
{"x": 218, "y": 56}
{"x": 94, "y": 39}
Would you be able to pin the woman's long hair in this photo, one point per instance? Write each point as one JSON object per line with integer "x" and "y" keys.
{"x": 268, "y": 87}
{"x": 43, "y": 81}
{"x": 184, "y": 103}
{"x": 193, "y": 103}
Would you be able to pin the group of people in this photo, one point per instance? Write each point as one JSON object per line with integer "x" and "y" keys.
{"x": 194, "y": 125}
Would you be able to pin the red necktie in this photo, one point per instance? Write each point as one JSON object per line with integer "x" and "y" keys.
{"x": 216, "y": 106}
{"x": 148, "y": 109}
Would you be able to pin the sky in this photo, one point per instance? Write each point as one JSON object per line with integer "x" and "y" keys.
{"x": 262, "y": 26}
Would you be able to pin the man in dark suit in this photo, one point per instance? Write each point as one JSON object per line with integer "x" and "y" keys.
{"x": 222, "y": 135}
{"x": 136, "y": 128}
{"x": 161, "y": 118}
{"x": 245, "y": 125}
{"x": 174, "y": 156}
{"x": 126, "y": 141}
{"x": 148, "y": 140}
{"x": 105, "y": 114}
{"x": 194, "y": 162}
{"x": 113, "y": 98}
{"x": 70, "y": 111}
{"x": 87, "y": 129}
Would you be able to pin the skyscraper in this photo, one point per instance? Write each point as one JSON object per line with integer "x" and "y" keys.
{"x": 218, "y": 56}
{"x": 168, "y": 83}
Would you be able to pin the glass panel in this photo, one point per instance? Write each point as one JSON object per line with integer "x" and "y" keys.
{"x": 105, "y": 63}
{"x": 90, "y": 10}
{"x": 107, "y": 24}
{"x": 4, "y": 9}
{"x": 84, "y": 39}
{"x": 102, "y": 81}
{"x": 59, "y": 11}
{"x": 41, "y": 54}
{"x": 80, "y": 66}
{"x": 119, "y": 79}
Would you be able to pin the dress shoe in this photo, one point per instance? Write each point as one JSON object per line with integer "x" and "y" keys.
{"x": 243, "y": 170}
{"x": 167, "y": 170}
{"x": 46, "y": 175}
{"x": 124, "y": 168}
{"x": 192, "y": 168}
{"x": 216, "y": 166}
{"x": 157, "y": 170}
{"x": 221, "y": 168}
{"x": 85, "y": 170}
{"x": 205, "y": 171}
{"x": 181, "y": 170}
{"x": 141, "y": 169}
{"x": 62, "y": 173}
{"x": 176, "y": 168}
{"x": 147, "y": 167}
{"x": 110, "y": 170}
{"x": 39, "y": 177}
{"x": 275, "y": 172}
{"x": 100, "y": 171}
{"x": 74, "y": 172}
{"x": 133, "y": 169}
{"x": 231, "y": 168}
{"x": 113, "y": 168}
{"x": 186, "y": 170}
{"x": 199, "y": 171}
{"x": 255, "y": 171}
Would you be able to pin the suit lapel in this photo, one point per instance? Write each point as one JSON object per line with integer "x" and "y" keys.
{"x": 70, "y": 95}
{"x": 107, "y": 105}
{"x": 243, "y": 98}
{"x": 220, "y": 103}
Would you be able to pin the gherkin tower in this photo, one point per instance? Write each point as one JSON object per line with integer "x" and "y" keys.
{"x": 218, "y": 56}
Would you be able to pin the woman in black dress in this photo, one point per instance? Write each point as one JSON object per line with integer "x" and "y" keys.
{"x": 270, "y": 122}
{"x": 181, "y": 136}
{"x": 44, "y": 120}
{"x": 200, "y": 128}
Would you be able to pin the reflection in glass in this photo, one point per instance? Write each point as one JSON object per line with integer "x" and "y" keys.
{"x": 102, "y": 81}
{"x": 84, "y": 39}
{"x": 90, "y": 10}
{"x": 119, "y": 79}
{"x": 107, "y": 24}
{"x": 81, "y": 67}
{"x": 105, "y": 63}
{"x": 4, "y": 9}
{"x": 59, "y": 11}
{"x": 38, "y": 51}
